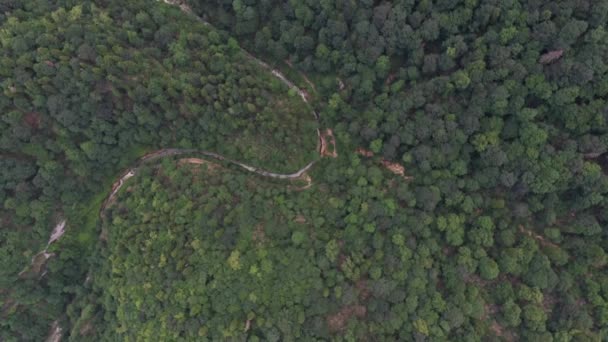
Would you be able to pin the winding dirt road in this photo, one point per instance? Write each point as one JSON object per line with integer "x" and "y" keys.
{"x": 175, "y": 151}
{"x": 186, "y": 9}
{"x": 167, "y": 152}
{"x": 59, "y": 230}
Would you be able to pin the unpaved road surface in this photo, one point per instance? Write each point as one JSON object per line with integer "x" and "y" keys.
{"x": 168, "y": 152}
{"x": 56, "y": 331}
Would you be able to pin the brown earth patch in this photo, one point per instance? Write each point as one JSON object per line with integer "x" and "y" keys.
{"x": 393, "y": 167}
{"x": 337, "y": 322}
{"x": 54, "y": 333}
{"x": 300, "y": 219}
{"x": 304, "y": 178}
{"x": 541, "y": 239}
{"x": 551, "y": 56}
{"x": 211, "y": 166}
{"x": 364, "y": 152}
{"x": 396, "y": 168}
{"x": 327, "y": 138}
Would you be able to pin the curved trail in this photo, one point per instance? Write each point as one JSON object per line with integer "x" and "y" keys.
{"x": 168, "y": 152}
{"x": 132, "y": 171}
{"x": 279, "y": 75}
{"x": 59, "y": 230}
{"x": 175, "y": 151}
{"x": 181, "y": 151}
{"x": 186, "y": 9}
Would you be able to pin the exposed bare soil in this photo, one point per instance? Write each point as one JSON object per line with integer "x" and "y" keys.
{"x": 337, "y": 322}
{"x": 393, "y": 167}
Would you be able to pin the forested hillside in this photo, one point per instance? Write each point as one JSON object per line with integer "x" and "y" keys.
{"x": 463, "y": 199}
{"x": 89, "y": 88}
{"x": 221, "y": 255}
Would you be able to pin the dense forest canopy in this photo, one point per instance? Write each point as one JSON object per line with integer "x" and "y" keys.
{"x": 88, "y": 89}
{"x": 463, "y": 198}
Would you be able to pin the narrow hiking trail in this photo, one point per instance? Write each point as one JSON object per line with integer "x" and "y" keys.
{"x": 186, "y": 9}
{"x": 321, "y": 142}
{"x": 59, "y": 230}
{"x": 176, "y": 152}
{"x": 60, "y": 227}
